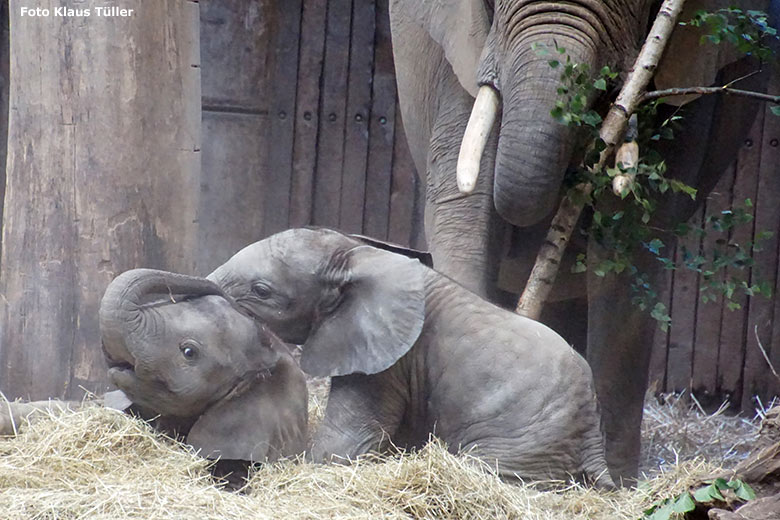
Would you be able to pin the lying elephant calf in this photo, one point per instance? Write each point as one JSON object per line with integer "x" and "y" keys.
{"x": 413, "y": 353}
{"x": 188, "y": 361}
{"x": 177, "y": 347}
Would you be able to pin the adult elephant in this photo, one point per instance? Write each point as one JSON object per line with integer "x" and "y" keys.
{"x": 448, "y": 51}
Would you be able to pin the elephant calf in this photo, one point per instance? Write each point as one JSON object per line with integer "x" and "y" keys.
{"x": 177, "y": 347}
{"x": 413, "y": 353}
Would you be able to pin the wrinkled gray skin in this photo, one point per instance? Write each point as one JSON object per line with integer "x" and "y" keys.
{"x": 444, "y": 50}
{"x": 413, "y": 353}
{"x": 177, "y": 347}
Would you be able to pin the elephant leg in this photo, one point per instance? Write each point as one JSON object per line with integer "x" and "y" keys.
{"x": 362, "y": 414}
{"x": 464, "y": 232}
{"x": 620, "y": 339}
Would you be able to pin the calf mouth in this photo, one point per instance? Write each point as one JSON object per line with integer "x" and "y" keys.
{"x": 115, "y": 364}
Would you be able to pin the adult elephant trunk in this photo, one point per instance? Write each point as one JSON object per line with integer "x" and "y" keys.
{"x": 533, "y": 148}
{"x": 120, "y": 308}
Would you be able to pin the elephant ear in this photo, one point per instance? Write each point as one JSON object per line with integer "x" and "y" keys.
{"x": 687, "y": 62}
{"x": 423, "y": 256}
{"x": 460, "y": 27}
{"x": 370, "y": 315}
{"x": 261, "y": 420}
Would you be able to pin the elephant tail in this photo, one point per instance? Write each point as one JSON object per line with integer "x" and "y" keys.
{"x": 594, "y": 462}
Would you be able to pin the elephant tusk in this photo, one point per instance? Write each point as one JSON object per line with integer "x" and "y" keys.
{"x": 483, "y": 115}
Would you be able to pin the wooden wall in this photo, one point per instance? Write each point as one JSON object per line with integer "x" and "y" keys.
{"x": 300, "y": 124}
{"x": 103, "y": 170}
{"x": 710, "y": 349}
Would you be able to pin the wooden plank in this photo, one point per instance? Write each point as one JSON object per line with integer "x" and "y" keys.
{"x": 361, "y": 63}
{"x": 403, "y": 190}
{"x": 761, "y": 310}
{"x": 232, "y": 186}
{"x": 772, "y": 172}
{"x": 235, "y": 37}
{"x": 685, "y": 297}
{"x": 731, "y": 350}
{"x": 708, "y": 314}
{"x": 330, "y": 145}
{"x": 382, "y": 130}
{"x": 235, "y": 43}
{"x": 283, "y": 68}
{"x": 774, "y": 346}
{"x": 112, "y": 183}
{"x": 4, "y": 84}
{"x": 310, "y": 69}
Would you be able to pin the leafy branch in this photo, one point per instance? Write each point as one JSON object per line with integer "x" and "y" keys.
{"x": 545, "y": 269}
{"x": 641, "y": 180}
{"x": 689, "y": 91}
{"x": 719, "y": 490}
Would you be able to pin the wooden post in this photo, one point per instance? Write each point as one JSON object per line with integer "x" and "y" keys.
{"x": 103, "y": 175}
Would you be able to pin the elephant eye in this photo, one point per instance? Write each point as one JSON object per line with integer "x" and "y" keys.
{"x": 262, "y": 291}
{"x": 189, "y": 350}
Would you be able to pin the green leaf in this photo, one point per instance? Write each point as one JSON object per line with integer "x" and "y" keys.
{"x": 662, "y": 513}
{"x": 741, "y": 489}
{"x": 684, "y": 503}
{"x": 655, "y": 246}
{"x": 591, "y": 118}
{"x": 708, "y": 494}
{"x": 775, "y": 110}
{"x": 553, "y": 63}
{"x": 660, "y": 313}
{"x": 678, "y": 186}
{"x": 600, "y": 84}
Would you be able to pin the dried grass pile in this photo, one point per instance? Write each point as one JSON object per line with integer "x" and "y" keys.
{"x": 95, "y": 463}
{"x": 676, "y": 428}
{"x": 98, "y": 463}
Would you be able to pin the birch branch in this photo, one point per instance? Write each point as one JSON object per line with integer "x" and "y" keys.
{"x": 687, "y": 91}
{"x": 546, "y": 267}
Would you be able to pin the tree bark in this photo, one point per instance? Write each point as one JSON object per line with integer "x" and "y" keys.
{"x": 103, "y": 176}
{"x": 545, "y": 269}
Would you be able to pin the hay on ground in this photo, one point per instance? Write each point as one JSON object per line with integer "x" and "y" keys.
{"x": 95, "y": 463}
{"x": 675, "y": 429}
